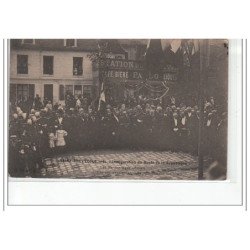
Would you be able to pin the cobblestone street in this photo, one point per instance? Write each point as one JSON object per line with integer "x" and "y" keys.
{"x": 104, "y": 164}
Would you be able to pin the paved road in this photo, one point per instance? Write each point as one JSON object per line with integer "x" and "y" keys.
{"x": 106, "y": 164}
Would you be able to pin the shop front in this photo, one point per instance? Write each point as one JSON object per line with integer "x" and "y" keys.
{"x": 125, "y": 79}
{"x": 76, "y": 90}
{"x": 21, "y": 92}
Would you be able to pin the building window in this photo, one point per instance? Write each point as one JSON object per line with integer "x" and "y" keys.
{"x": 61, "y": 92}
{"x": 68, "y": 90}
{"x": 77, "y": 66}
{"x": 28, "y": 41}
{"x": 64, "y": 91}
{"x": 22, "y": 64}
{"x": 21, "y": 92}
{"x": 48, "y": 65}
{"x": 73, "y": 90}
{"x": 25, "y": 91}
{"x": 70, "y": 42}
{"x": 87, "y": 91}
{"x": 77, "y": 90}
{"x": 13, "y": 94}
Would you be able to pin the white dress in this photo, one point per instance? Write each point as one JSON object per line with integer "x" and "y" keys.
{"x": 60, "y": 134}
{"x": 52, "y": 140}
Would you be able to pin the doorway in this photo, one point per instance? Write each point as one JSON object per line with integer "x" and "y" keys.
{"x": 48, "y": 92}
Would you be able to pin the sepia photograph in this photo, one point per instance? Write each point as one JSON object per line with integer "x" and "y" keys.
{"x": 127, "y": 109}
{"x": 124, "y": 125}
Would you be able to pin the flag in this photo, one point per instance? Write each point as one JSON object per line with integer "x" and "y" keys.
{"x": 165, "y": 44}
{"x": 170, "y": 52}
{"x": 190, "y": 48}
{"x": 186, "y": 48}
{"x": 102, "y": 97}
{"x": 154, "y": 56}
{"x": 195, "y": 46}
{"x": 175, "y": 45}
{"x": 154, "y": 48}
{"x": 147, "y": 45}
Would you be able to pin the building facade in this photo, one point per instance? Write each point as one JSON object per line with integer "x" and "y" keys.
{"x": 53, "y": 68}
{"x": 50, "y": 68}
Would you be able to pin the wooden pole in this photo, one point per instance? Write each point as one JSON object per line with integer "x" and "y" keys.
{"x": 204, "y": 45}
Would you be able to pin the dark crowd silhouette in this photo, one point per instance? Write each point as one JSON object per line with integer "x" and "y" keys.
{"x": 40, "y": 129}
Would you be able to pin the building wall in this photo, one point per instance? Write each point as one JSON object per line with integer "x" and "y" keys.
{"x": 62, "y": 70}
{"x": 63, "y": 64}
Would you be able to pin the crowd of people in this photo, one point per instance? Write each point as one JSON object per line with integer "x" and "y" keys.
{"x": 42, "y": 129}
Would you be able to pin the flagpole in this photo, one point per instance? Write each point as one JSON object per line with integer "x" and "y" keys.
{"x": 100, "y": 97}
{"x": 99, "y": 104}
{"x": 202, "y": 81}
{"x": 101, "y": 55}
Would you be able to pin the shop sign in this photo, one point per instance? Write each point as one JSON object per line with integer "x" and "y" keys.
{"x": 134, "y": 70}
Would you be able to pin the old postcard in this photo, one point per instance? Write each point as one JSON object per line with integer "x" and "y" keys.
{"x": 132, "y": 109}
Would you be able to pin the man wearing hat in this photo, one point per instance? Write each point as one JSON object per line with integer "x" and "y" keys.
{"x": 15, "y": 128}
{"x": 42, "y": 128}
{"x": 69, "y": 125}
{"x": 22, "y": 169}
{"x": 34, "y": 160}
{"x": 175, "y": 131}
{"x": 183, "y": 132}
{"x": 37, "y": 102}
{"x": 82, "y": 128}
{"x": 166, "y": 130}
{"x": 123, "y": 129}
{"x": 14, "y": 164}
{"x": 138, "y": 126}
{"x": 110, "y": 126}
{"x": 29, "y": 132}
{"x": 192, "y": 126}
{"x": 210, "y": 134}
{"x": 158, "y": 128}
{"x": 92, "y": 129}
{"x": 148, "y": 128}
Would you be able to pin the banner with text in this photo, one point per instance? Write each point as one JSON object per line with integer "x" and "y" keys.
{"x": 135, "y": 70}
